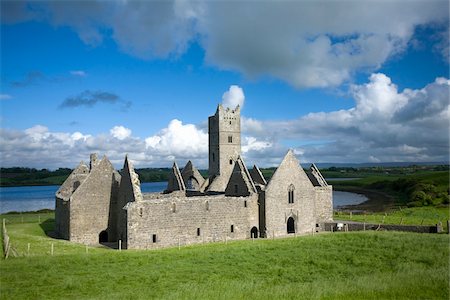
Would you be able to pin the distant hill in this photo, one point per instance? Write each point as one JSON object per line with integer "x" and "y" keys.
{"x": 375, "y": 164}
{"x": 18, "y": 176}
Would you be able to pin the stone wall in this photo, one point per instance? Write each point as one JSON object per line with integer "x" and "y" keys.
{"x": 90, "y": 204}
{"x": 62, "y": 217}
{"x": 170, "y": 221}
{"x": 324, "y": 204}
{"x": 279, "y": 210}
{"x": 63, "y": 196}
{"x": 224, "y": 130}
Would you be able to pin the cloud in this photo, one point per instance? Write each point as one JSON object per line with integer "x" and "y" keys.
{"x": 179, "y": 140}
{"x": 385, "y": 124}
{"x": 40, "y": 147}
{"x": 90, "y": 98}
{"x": 78, "y": 73}
{"x": 305, "y": 43}
{"x": 233, "y": 97}
{"x": 30, "y": 78}
{"x": 120, "y": 132}
{"x": 5, "y": 97}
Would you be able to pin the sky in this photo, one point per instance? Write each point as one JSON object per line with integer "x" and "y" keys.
{"x": 336, "y": 81}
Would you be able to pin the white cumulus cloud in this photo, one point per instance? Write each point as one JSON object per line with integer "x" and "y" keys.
{"x": 179, "y": 140}
{"x": 120, "y": 132}
{"x": 233, "y": 97}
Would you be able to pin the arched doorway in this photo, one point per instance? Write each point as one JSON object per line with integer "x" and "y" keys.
{"x": 103, "y": 237}
{"x": 290, "y": 225}
{"x": 254, "y": 232}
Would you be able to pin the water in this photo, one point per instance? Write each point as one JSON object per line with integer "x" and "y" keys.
{"x": 31, "y": 198}
{"x": 347, "y": 198}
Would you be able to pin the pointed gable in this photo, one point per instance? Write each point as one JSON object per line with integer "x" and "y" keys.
{"x": 130, "y": 183}
{"x": 75, "y": 179}
{"x": 316, "y": 177}
{"x": 289, "y": 170}
{"x": 240, "y": 183}
{"x": 192, "y": 178}
{"x": 257, "y": 176}
{"x": 175, "y": 182}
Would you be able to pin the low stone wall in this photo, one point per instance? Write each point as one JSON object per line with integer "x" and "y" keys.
{"x": 356, "y": 226}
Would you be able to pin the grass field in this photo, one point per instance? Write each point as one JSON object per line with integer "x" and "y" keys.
{"x": 357, "y": 265}
{"x": 408, "y": 216}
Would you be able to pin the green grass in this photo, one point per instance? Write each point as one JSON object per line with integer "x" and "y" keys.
{"x": 407, "y": 216}
{"x": 357, "y": 265}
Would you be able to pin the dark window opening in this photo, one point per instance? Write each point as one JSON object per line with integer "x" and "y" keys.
{"x": 230, "y": 122}
{"x": 198, "y": 231}
{"x": 230, "y": 139}
{"x": 231, "y": 161}
{"x": 140, "y": 212}
{"x": 154, "y": 238}
{"x": 290, "y": 225}
{"x": 232, "y": 228}
{"x": 236, "y": 188}
{"x": 213, "y": 157}
{"x": 245, "y": 203}
{"x": 207, "y": 205}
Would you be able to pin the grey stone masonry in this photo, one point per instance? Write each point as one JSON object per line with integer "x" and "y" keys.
{"x": 192, "y": 178}
{"x": 96, "y": 204}
{"x": 240, "y": 183}
{"x": 289, "y": 197}
{"x": 224, "y": 145}
{"x": 90, "y": 204}
{"x": 175, "y": 181}
{"x": 173, "y": 221}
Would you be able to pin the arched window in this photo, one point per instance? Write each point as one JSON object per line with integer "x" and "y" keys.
{"x": 207, "y": 205}
{"x": 174, "y": 207}
{"x": 291, "y": 194}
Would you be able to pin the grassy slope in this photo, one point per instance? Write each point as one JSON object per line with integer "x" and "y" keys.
{"x": 362, "y": 265}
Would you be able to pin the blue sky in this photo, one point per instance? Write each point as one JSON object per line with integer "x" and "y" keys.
{"x": 350, "y": 81}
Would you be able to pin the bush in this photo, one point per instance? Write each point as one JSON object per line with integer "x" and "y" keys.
{"x": 414, "y": 204}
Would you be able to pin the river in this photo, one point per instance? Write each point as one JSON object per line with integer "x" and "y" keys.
{"x": 31, "y": 198}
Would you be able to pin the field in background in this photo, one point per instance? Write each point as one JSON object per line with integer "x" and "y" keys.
{"x": 354, "y": 265}
{"x": 405, "y": 216}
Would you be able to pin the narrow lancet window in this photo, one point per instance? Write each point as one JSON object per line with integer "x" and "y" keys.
{"x": 291, "y": 193}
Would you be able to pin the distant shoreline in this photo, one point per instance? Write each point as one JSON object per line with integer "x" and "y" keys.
{"x": 376, "y": 201}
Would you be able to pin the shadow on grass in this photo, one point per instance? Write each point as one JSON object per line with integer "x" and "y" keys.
{"x": 48, "y": 226}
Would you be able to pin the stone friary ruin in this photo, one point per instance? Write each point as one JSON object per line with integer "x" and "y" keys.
{"x": 97, "y": 204}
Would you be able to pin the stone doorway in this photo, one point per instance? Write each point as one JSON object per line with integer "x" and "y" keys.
{"x": 103, "y": 237}
{"x": 254, "y": 233}
{"x": 290, "y": 225}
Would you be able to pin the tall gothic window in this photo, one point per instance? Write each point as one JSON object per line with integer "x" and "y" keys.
{"x": 291, "y": 193}
{"x": 230, "y": 139}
